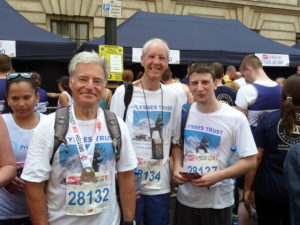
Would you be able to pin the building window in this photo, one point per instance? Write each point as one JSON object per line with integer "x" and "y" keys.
{"x": 77, "y": 31}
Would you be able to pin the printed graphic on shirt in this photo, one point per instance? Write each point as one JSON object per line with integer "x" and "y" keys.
{"x": 69, "y": 156}
{"x": 288, "y": 141}
{"x": 17, "y": 148}
{"x": 225, "y": 98}
{"x": 157, "y": 120}
{"x": 201, "y": 142}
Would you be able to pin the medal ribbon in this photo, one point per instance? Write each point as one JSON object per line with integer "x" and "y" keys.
{"x": 83, "y": 152}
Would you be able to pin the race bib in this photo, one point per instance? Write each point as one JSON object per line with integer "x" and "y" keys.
{"x": 87, "y": 198}
{"x": 149, "y": 173}
{"x": 201, "y": 163}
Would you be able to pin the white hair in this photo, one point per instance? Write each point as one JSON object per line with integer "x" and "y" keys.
{"x": 88, "y": 57}
{"x": 148, "y": 43}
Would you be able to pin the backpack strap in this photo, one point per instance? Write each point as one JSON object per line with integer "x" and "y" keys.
{"x": 114, "y": 131}
{"x": 127, "y": 97}
{"x": 61, "y": 127}
{"x": 184, "y": 115}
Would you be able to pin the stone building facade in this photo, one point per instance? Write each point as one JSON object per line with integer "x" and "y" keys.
{"x": 82, "y": 19}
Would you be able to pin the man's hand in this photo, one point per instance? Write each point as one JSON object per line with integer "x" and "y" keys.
{"x": 16, "y": 185}
{"x": 177, "y": 177}
{"x": 207, "y": 179}
{"x": 249, "y": 200}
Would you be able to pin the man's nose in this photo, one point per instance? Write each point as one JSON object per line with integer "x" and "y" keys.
{"x": 200, "y": 86}
{"x": 90, "y": 83}
{"x": 156, "y": 59}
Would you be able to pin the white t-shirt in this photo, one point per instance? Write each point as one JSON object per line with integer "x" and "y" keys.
{"x": 38, "y": 169}
{"x": 178, "y": 87}
{"x": 138, "y": 124}
{"x": 222, "y": 129}
{"x": 69, "y": 98}
{"x": 247, "y": 95}
{"x": 241, "y": 81}
{"x": 13, "y": 206}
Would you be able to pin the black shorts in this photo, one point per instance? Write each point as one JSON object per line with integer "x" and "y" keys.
{"x": 203, "y": 216}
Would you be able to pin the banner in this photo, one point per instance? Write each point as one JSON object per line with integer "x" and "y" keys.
{"x": 114, "y": 57}
{"x": 174, "y": 57}
{"x": 8, "y": 48}
{"x": 273, "y": 59}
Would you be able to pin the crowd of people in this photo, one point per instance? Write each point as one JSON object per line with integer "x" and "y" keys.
{"x": 226, "y": 139}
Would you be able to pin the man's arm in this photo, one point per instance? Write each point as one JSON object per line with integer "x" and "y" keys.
{"x": 245, "y": 111}
{"x": 249, "y": 178}
{"x": 240, "y": 167}
{"x": 36, "y": 202}
{"x": 177, "y": 156}
{"x": 126, "y": 182}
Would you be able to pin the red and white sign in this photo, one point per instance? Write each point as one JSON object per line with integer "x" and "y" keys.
{"x": 273, "y": 59}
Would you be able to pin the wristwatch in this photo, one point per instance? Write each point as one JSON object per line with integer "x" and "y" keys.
{"x": 130, "y": 223}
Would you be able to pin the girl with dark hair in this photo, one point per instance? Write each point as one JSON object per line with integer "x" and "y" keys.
{"x": 275, "y": 134}
{"x": 20, "y": 119}
{"x": 65, "y": 95}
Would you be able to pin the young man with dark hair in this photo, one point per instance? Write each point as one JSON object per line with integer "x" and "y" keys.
{"x": 211, "y": 130}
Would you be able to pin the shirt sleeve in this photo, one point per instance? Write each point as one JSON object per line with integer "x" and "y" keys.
{"x": 37, "y": 166}
{"x": 117, "y": 102}
{"x": 244, "y": 139}
{"x": 246, "y": 96}
{"x": 128, "y": 159}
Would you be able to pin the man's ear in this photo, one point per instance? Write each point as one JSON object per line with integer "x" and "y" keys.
{"x": 142, "y": 60}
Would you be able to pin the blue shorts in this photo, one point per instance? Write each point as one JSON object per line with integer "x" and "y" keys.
{"x": 153, "y": 209}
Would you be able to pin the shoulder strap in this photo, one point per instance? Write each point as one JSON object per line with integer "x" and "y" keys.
{"x": 184, "y": 115}
{"x": 61, "y": 127}
{"x": 127, "y": 97}
{"x": 114, "y": 131}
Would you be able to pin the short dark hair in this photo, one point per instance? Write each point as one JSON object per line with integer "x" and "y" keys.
{"x": 250, "y": 60}
{"x": 218, "y": 70}
{"x": 5, "y": 64}
{"x": 201, "y": 68}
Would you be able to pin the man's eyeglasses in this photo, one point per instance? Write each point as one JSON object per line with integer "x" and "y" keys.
{"x": 11, "y": 76}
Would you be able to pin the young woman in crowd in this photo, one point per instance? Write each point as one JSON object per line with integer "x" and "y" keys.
{"x": 20, "y": 119}
{"x": 275, "y": 134}
{"x": 7, "y": 160}
{"x": 65, "y": 95}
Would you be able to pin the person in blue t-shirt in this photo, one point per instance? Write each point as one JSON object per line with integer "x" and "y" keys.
{"x": 43, "y": 101}
{"x": 275, "y": 134}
